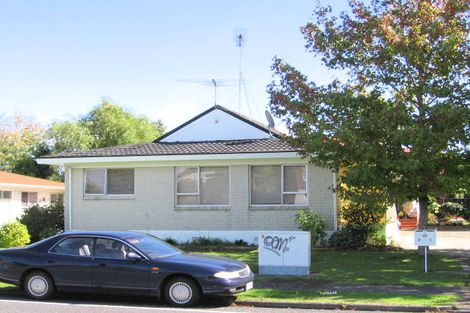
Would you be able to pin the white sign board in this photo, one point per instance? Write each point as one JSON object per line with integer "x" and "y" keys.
{"x": 284, "y": 252}
{"x": 425, "y": 237}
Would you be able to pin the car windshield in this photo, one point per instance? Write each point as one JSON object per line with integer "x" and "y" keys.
{"x": 152, "y": 246}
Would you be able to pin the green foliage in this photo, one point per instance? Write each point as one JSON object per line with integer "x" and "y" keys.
{"x": 13, "y": 234}
{"x": 106, "y": 125}
{"x": 400, "y": 122}
{"x": 22, "y": 140}
{"x": 449, "y": 209}
{"x": 171, "y": 241}
{"x": 314, "y": 223}
{"x": 377, "y": 236}
{"x": 43, "y": 221}
{"x": 350, "y": 237}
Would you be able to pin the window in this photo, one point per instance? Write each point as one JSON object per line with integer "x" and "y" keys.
{"x": 109, "y": 181}
{"x": 78, "y": 246}
{"x": 278, "y": 185}
{"x": 29, "y": 198}
{"x": 5, "y": 195}
{"x": 57, "y": 197}
{"x": 111, "y": 249}
{"x": 202, "y": 185}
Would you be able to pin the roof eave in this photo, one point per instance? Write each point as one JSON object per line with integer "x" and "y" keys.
{"x": 181, "y": 157}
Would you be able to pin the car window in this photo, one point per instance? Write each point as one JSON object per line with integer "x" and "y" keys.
{"x": 79, "y": 246}
{"x": 152, "y": 246}
{"x": 111, "y": 249}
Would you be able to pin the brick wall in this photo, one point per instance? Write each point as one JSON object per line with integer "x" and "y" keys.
{"x": 153, "y": 205}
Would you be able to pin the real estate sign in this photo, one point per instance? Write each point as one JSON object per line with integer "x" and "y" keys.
{"x": 284, "y": 253}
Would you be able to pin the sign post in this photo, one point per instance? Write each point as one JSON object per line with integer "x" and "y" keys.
{"x": 425, "y": 238}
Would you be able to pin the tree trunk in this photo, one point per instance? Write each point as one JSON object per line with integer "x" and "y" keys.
{"x": 423, "y": 219}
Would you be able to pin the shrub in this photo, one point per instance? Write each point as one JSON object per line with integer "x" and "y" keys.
{"x": 13, "y": 234}
{"x": 312, "y": 222}
{"x": 171, "y": 241}
{"x": 43, "y": 221}
{"x": 449, "y": 209}
{"x": 456, "y": 221}
{"x": 377, "y": 236}
{"x": 349, "y": 237}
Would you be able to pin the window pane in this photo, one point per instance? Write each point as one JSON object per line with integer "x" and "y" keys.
{"x": 294, "y": 179}
{"x": 33, "y": 197}
{"x": 266, "y": 184}
{"x": 54, "y": 197}
{"x": 120, "y": 181}
{"x": 111, "y": 249}
{"x": 24, "y": 198}
{"x": 94, "y": 181}
{"x": 300, "y": 198}
{"x": 187, "y": 200}
{"x": 214, "y": 185}
{"x": 82, "y": 246}
{"x": 6, "y": 194}
{"x": 186, "y": 180}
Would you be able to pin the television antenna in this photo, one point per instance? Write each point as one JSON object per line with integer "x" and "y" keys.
{"x": 216, "y": 83}
{"x": 240, "y": 39}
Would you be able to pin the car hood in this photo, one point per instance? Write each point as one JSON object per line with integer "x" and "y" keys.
{"x": 215, "y": 263}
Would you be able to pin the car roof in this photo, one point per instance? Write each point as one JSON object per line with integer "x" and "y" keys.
{"x": 115, "y": 234}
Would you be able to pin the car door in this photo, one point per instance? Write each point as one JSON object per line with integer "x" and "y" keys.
{"x": 112, "y": 270}
{"x": 70, "y": 262}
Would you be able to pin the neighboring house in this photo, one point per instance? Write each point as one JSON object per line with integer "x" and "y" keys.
{"x": 18, "y": 192}
{"x": 219, "y": 174}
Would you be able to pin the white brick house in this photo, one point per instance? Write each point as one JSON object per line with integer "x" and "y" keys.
{"x": 218, "y": 175}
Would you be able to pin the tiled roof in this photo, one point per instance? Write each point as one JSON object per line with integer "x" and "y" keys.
{"x": 185, "y": 148}
{"x": 17, "y": 179}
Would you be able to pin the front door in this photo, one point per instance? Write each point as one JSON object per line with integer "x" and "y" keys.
{"x": 113, "y": 271}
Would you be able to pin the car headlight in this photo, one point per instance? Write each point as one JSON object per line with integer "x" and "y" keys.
{"x": 227, "y": 275}
{"x": 235, "y": 274}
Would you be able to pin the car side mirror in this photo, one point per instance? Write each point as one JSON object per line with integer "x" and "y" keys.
{"x": 133, "y": 256}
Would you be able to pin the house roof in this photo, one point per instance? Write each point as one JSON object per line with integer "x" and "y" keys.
{"x": 271, "y": 131}
{"x": 269, "y": 145}
{"x": 17, "y": 179}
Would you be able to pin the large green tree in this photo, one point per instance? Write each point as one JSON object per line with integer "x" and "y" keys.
{"x": 400, "y": 122}
{"x": 105, "y": 125}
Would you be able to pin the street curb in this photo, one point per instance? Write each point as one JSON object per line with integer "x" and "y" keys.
{"x": 359, "y": 307}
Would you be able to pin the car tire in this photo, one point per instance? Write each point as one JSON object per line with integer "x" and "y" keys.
{"x": 182, "y": 292}
{"x": 38, "y": 285}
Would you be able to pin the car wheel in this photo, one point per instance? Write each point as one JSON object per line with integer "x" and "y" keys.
{"x": 38, "y": 285}
{"x": 182, "y": 291}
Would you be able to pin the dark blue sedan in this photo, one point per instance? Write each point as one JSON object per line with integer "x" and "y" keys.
{"x": 121, "y": 262}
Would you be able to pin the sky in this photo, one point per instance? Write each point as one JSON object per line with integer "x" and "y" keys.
{"x": 60, "y": 58}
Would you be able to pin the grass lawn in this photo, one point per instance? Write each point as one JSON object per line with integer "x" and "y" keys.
{"x": 374, "y": 267}
{"x": 266, "y": 294}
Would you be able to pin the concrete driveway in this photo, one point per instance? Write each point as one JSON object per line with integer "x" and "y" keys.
{"x": 446, "y": 240}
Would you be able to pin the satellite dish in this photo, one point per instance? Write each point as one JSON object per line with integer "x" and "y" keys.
{"x": 270, "y": 119}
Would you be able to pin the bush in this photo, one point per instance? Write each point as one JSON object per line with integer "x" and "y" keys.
{"x": 43, "y": 221}
{"x": 449, "y": 209}
{"x": 377, "y": 236}
{"x": 171, "y": 241}
{"x": 350, "y": 237}
{"x": 455, "y": 221}
{"x": 312, "y": 222}
{"x": 13, "y": 234}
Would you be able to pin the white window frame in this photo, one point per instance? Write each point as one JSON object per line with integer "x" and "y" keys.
{"x": 198, "y": 194}
{"x": 29, "y": 203}
{"x": 282, "y": 187}
{"x": 105, "y": 189}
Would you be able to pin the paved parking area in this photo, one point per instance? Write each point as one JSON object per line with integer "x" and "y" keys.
{"x": 446, "y": 240}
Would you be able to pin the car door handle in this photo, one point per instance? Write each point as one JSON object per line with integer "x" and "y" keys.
{"x": 102, "y": 264}
{"x": 50, "y": 261}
